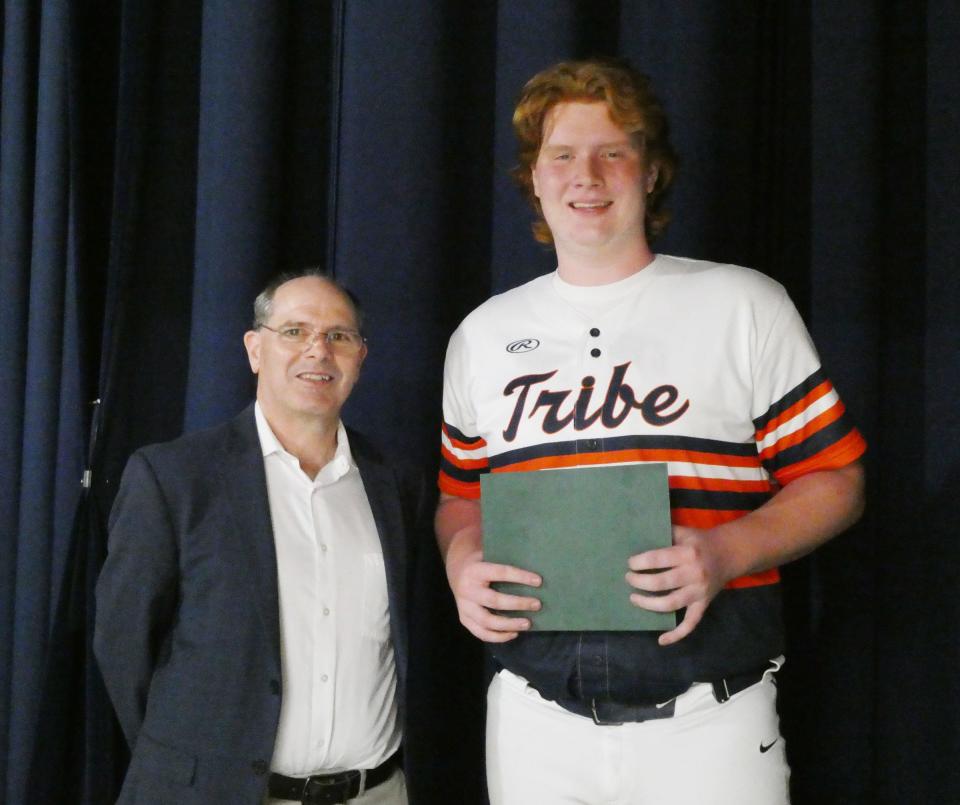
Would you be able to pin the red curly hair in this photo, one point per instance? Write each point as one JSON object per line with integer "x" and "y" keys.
{"x": 632, "y": 106}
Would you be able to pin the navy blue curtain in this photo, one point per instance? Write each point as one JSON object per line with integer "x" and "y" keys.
{"x": 45, "y": 373}
{"x": 160, "y": 160}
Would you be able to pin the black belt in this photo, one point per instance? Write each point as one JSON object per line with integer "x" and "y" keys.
{"x": 609, "y": 713}
{"x": 330, "y": 789}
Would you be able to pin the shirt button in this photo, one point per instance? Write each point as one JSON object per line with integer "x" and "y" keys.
{"x": 595, "y": 352}
{"x": 594, "y": 332}
{"x": 259, "y": 767}
{"x": 324, "y": 677}
{"x": 326, "y": 611}
{"x": 323, "y": 548}
{"x": 598, "y": 660}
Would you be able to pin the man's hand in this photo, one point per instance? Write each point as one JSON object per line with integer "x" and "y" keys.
{"x": 470, "y": 579}
{"x": 688, "y": 574}
{"x": 460, "y": 540}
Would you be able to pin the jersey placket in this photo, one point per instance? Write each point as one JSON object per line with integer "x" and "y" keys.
{"x": 593, "y": 365}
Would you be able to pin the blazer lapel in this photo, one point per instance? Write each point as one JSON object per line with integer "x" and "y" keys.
{"x": 245, "y": 487}
{"x": 384, "y": 497}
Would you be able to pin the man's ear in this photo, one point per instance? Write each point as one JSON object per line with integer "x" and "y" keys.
{"x": 251, "y": 341}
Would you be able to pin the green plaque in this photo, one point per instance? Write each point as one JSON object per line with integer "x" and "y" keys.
{"x": 576, "y": 528}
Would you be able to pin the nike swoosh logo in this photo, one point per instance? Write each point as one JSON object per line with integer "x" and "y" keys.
{"x": 769, "y": 746}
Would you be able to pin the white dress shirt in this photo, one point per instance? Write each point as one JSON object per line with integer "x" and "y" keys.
{"x": 339, "y": 705}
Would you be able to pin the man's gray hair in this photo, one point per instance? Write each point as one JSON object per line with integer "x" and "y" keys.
{"x": 263, "y": 304}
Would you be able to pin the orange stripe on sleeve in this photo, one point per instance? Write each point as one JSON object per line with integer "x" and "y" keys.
{"x": 462, "y": 445}
{"x": 463, "y": 463}
{"x": 815, "y": 394}
{"x": 816, "y": 424}
{"x": 837, "y": 455}
{"x": 460, "y": 489}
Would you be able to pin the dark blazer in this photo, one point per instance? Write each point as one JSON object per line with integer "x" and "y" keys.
{"x": 187, "y": 627}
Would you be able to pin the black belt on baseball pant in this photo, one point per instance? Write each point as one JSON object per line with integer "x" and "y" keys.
{"x": 607, "y": 713}
{"x": 330, "y": 789}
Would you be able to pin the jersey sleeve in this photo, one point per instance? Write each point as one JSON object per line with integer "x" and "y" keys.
{"x": 801, "y": 424}
{"x": 463, "y": 452}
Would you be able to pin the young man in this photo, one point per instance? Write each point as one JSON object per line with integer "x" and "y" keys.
{"x": 252, "y": 616}
{"x": 631, "y": 357}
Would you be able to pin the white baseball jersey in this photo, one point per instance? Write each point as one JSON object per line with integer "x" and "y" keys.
{"x": 706, "y": 367}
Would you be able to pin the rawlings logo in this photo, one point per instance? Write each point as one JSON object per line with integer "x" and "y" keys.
{"x": 522, "y": 345}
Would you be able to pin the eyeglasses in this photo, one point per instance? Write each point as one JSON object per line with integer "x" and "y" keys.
{"x": 343, "y": 342}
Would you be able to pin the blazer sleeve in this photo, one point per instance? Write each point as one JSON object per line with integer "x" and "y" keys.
{"x": 137, "y": 593}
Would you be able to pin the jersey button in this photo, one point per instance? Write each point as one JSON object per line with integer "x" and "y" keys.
{"x": 595, "y": 352}
{"x": 259, "y": 767}
{"x": 594, "y": 332}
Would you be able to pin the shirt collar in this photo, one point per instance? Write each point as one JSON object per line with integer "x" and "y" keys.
{"x": 337, "y": 467}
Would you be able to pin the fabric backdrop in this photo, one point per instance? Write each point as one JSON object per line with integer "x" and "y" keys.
{"x": 160, "y": 159}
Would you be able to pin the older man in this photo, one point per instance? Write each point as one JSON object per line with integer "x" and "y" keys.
{"x": 631, "y": 356}
{"x": 252, "y": 612}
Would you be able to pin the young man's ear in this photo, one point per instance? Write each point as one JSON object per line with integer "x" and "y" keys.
{"x": 652, "y": 175}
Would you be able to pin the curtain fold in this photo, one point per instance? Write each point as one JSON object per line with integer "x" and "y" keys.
{"x": 238, "y": 200}
{"x": 940, "y": 658}
{"x": 17, "y": 105}
{"x": 44, "y": 416}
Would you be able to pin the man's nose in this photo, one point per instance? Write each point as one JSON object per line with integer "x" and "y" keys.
{"x": 317, "y": 345}
{"x": 588, "y": 172}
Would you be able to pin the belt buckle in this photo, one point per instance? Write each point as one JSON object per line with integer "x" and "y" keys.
{"x": 321, "y": 790}
{"x": 598, "y": 721}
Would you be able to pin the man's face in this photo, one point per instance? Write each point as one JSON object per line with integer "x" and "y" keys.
{"x": 304, "y": 381}
{"x": 591, "y": 179}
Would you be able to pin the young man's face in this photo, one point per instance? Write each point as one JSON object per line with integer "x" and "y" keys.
{"x": 591, "y": 179}
{"x": 296, "y": 381}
